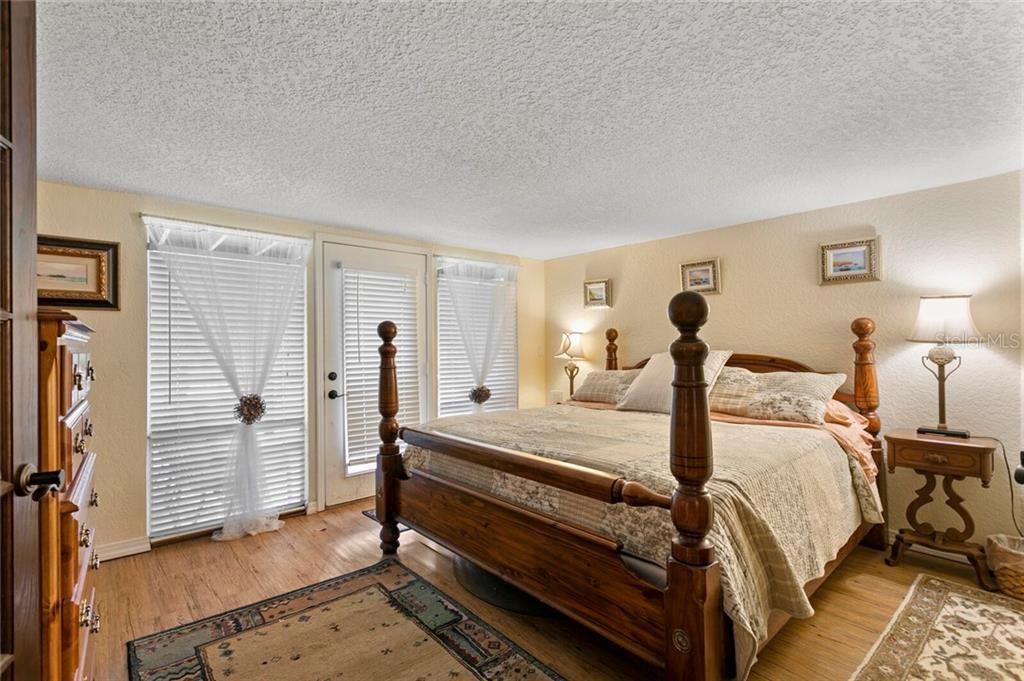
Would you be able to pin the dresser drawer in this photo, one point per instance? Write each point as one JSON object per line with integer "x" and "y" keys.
{"x": 77, "y": 433}
{"x": 79, "y": 618}
{"x": 77, "y": 537}
{"x": 936, "y": 460}
{"x": 77, "y": 376}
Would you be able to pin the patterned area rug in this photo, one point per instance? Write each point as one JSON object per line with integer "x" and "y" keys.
{"x": 947, "y": 631}
{"x": 383, "y": 622}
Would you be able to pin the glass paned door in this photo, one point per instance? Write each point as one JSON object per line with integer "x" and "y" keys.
{"x": 362, "y": 287}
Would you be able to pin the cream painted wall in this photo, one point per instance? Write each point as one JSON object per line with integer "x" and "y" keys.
{"x": 119, "y": 349}
{"x": 963, "y": 238}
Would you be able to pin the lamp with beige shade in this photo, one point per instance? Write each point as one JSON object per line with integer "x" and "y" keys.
{"x": 572, "y": 350}
{"x": 943, "y": 320}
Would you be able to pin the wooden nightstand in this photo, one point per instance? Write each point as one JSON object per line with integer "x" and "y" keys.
{"x": 954, "y": 459}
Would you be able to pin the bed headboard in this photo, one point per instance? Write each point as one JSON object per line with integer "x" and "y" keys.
{"x": 863, "y": 399}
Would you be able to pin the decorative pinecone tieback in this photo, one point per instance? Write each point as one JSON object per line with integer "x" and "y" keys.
{"x": 480, "y": 394}
{"x": 250, "y": 408}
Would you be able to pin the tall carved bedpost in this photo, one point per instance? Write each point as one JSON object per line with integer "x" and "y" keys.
{"x": 865, "y": 396}
{"x": 389, "y": 460}
{"x": 611, "y": 351}
{"x": 693, "y": 597}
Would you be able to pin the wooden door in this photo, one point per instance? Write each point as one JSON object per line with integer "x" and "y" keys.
{"x": 19, "y": 515}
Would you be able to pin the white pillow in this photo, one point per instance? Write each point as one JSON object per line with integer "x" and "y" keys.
{"x": 652, "y": 389}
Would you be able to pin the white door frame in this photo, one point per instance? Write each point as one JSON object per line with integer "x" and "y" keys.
{"x": 319, "y": 396}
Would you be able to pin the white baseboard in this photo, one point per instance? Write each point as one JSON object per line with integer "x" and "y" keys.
{"x": 123, "y": 548}
{"x": 956, "y": 558}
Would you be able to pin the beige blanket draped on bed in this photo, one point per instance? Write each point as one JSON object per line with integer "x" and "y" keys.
{"x": 786, "y": 499}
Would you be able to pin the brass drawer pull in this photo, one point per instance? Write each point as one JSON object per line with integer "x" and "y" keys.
{"x": 85, "y": 615}
{"x": 88, "y": 430}
{"x": 94, "y": 498}
{"x": 94, "y": 625}
{"x": 94, "y": 562}
{"x": 90, "y": 371}
{"x": 78, "y": 379}
{"x": 85, "y": 537}
{"x": 79, "y": 446}
{"x": 938, "y": 459}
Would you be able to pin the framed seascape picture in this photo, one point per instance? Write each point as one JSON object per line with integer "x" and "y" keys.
{"x": 849, "y": 261}
{"x": 703, "y": 276}
{"x": 597, "y": 293}
{"x": 77, "y": 273}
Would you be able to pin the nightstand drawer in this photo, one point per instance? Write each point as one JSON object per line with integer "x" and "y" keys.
{"x": 936, "y": 461}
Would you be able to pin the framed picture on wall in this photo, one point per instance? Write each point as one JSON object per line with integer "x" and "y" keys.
{"x": 77, "y": 273}
{"x": 597, "y": 293}
{"x": 703, "y": 276}
{"x": 845, "y": 261}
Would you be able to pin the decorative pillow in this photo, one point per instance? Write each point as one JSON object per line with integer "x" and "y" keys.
{"x": 605, "y": 386}
{"x": 652, "y": 389}
{"x": 776, "y": 396}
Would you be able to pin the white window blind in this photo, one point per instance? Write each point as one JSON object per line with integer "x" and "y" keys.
{"x": 455, "y": 377}
{"x": 191, "y": 419}
{"x": 368, "y": 298}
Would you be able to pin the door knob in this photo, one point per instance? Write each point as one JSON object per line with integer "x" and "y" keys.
{"x": 334, "y": 394}
{"x": 27, "y": 477}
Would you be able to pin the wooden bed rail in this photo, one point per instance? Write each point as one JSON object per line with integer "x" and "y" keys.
{"x": 587, "y": 482}
{"x": 611, "y": 489}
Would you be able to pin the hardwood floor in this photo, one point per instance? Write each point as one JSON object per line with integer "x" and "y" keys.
{"x": 182, "y": 582}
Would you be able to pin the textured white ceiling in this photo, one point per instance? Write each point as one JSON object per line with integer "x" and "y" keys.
{"x": 538, "y": 129}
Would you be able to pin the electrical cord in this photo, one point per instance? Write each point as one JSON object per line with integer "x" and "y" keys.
{"x": 1009, "y": 480}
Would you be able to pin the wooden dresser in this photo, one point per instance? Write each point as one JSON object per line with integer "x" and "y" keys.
{"x": 71, "y": 615}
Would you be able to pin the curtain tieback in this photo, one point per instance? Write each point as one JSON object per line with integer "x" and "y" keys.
{"x": 250, "y": 408}
{"x": 480, "y": 394}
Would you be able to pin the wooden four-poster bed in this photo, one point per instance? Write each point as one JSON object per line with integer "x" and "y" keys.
{"x": 680, "y": 626}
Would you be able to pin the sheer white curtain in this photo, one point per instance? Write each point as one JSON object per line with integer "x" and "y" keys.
{"x": 484, "y": 300}
{"x": 266, "y": 272}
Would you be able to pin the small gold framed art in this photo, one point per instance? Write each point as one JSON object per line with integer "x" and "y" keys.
{"x": 845, "y": 261}
{"x": 77, "y": 273}
{"x": 597, "y": 293}
{"x": 703, "y": 276}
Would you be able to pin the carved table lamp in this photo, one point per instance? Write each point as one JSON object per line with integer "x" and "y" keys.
{"x": 572, "y": 350}
{"x": 942, "y": 320}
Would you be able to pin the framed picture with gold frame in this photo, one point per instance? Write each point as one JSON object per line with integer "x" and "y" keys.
{"x": 597, "y": 293}
{"x": 845, "y": 261}
{"x": 703, "y": 276}
{"x": 77, "y": 273}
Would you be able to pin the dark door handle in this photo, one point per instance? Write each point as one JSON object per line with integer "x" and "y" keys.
{"x": 44, "y": 482}
{"x": 334, "y": 394}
